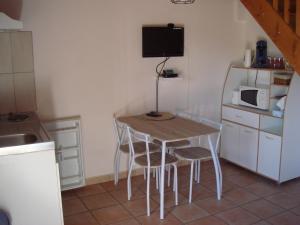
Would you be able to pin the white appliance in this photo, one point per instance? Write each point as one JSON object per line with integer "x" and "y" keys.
{"x": 256, "y": 97}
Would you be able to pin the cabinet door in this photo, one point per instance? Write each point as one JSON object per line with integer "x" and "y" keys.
{"x": 230, "y": 142}
{"x": 269, "y": 155}
{"x": 248, "y": 147}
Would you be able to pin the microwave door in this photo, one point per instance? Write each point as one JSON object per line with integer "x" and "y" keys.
{"x": 249, "y": 96}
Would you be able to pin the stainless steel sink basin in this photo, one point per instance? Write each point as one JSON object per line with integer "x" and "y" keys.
{"x": 17, "y": 139}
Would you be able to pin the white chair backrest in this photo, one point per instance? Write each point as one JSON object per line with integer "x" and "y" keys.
{"x": 136, "y": 136}
{"x": 218, "y": 126}
{"x": 120, "y": 130}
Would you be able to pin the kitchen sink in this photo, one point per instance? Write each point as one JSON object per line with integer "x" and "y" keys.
{"x": 17, "y": 139}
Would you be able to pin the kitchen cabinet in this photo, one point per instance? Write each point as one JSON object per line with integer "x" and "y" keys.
{"x": 256, "y": 139}
{"x": 68, "y": 147}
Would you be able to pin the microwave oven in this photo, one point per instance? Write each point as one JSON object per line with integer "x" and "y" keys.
{"x": 256, "y": 97}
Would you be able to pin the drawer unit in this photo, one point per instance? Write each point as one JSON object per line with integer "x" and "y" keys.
{"x": 242, "y": 117}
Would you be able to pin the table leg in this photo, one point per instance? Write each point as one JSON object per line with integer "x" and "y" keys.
{"x": 162, "y": 179}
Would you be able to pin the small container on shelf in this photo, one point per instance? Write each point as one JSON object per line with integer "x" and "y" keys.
{"x": 282, "y": 79}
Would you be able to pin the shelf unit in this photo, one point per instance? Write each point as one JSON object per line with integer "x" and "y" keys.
{"x": 255, "y": 139}
{"x": 66, "y": 133}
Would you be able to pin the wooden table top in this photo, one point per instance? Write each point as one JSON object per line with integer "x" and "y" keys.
{"x": 174, "y": 129}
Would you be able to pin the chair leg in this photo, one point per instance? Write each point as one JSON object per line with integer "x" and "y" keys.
{"x": 129, "y": 180}
{"x": 159, "y": 179}
{"x": 148, "y": 191}
{"x": 196, "y": 170}
{"x": 176, "y": 184}
{"x": 199, "y": 171}
{"x": 145, "y": 176}
{"x": 191, "y": 182}
{"x": 117, "y": 166}
{"x": 169, "y": 175}
{"x": 156, "y": 176}
{"x": 153, "y": 172}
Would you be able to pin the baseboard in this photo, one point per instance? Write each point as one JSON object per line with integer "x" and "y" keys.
{"x": 122, "y": 174}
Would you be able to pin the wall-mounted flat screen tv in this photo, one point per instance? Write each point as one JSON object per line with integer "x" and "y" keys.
{"x": 163, "y": 41}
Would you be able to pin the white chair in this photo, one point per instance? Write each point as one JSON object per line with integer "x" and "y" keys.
{"x": 196, "y": 154}
{"x": 123, "y": 147}
{"x": 148, "y": 161}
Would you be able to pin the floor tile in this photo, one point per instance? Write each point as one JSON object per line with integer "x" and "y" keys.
{"x": 90, "y": 190}
{"x": 122, "y": 195}
{"x": 263, "y": 208}
{"x": 296, "y": 210}
{"x": 213, "y": 205}
{"x": 68, "y": 194}
{"x": 243, "y": 179}
{"x": 285, "y": 219}
{"x": 227, "y": 185}
{"x": 99, "y": 201}
{"x": 239, "y": 196}
{"x": 238, "y": 216}
{"x": 210, "y": 220}
{"x": 198, "y": 192}
{"x": 80, "y": 219}
{"x": 263, "y": 189}
{"x": 262, "y": 222}
{"x": 110, "y": 185}
{"x": 73, "y": 206}
{"x": 127, "y": 222}
{"x": 139, "y": 207}
{"x": 189, "y": 212}
{"x": 110, "y": 215}
{"x": 284, "y": 200}
{"x": 154, "y": 219}
{"x": 170, "y": 199}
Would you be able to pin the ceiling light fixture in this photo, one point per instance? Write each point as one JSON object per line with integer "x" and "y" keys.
{"x": 183, "y": 1}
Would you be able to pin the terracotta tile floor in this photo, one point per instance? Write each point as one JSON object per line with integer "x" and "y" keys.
{"x": 248, "y": 199}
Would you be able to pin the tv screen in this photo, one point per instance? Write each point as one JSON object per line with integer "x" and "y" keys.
{"x": 163, "y": 41}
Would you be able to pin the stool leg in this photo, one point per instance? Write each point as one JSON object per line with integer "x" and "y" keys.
{"x": 191, "y": 182}
{"x": 148, "y": 191}
{"x": 169, "y": 175}
{"x": 176, "y": 184}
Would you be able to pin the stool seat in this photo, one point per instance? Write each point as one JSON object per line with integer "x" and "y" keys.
{"x": 193, "y": 153}
{"x": 155, "y": 160}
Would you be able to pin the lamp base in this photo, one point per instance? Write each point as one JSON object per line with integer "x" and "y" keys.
{"x": 154, "y": 114}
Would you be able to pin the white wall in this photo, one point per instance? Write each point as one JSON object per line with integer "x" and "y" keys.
{"x": 88, "y": 62}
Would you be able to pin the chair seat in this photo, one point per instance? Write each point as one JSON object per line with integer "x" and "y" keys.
{"x": 140, "y": 147}
{"x": 155, "y": 159}
{"x": 193, "y": 153}
{"x": 175, "y": 144}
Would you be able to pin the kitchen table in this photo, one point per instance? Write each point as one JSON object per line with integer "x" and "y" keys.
{"x": 174, "y": 129}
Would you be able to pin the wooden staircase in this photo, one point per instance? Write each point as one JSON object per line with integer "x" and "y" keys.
{"x": 281, "y": 21}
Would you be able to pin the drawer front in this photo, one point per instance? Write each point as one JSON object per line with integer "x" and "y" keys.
{"x": 243, "y": 117}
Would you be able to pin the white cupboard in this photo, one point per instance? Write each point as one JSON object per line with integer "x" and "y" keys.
{"x": 68, "y": 147}
{"x": 256, "y": 139}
